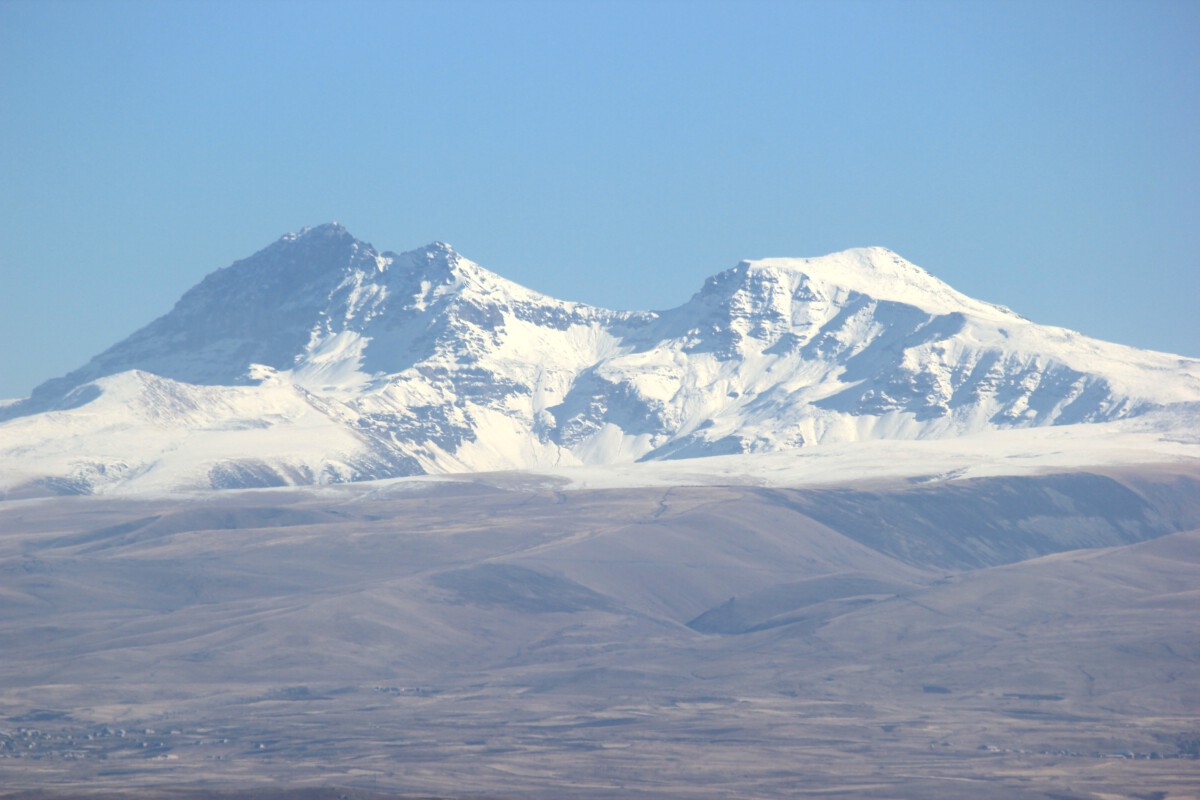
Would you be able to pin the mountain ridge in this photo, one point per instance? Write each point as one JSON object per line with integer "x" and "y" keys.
{"x": 370, "y": 364}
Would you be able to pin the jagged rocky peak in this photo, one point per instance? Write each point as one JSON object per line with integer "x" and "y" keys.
{"x": 438, "y": 263}
{"x": 327, "y": 230}
{"x": 329, "y": 254}
{"x": 309, "y": 263}
{"x": 418, "y": 278}
{"x": 434, "y": 259}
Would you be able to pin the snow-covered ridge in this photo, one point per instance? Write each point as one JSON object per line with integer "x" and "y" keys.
{"x": 881, "y": 274}
{"x": 322, "y": 359}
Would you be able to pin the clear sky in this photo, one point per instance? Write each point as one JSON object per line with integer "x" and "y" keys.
{"x": 1044, "y": 155}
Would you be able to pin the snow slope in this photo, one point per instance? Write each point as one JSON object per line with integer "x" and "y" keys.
{"x": 320, "y": 359}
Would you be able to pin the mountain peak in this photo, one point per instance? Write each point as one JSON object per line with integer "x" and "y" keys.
{"x": 439, "y": 247}
{"x": 323, "y": 231}
{"x": 439, "y": 263}
{"x": 875, "y": 272}
{"x": 438, "y": 255}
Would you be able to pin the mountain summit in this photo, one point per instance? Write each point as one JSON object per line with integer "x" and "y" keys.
{"x": 322, "y": 359}
{"x": 269, "y": 309}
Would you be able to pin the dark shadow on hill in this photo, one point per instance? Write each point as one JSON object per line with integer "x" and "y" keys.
{"x": 991, "y": 521}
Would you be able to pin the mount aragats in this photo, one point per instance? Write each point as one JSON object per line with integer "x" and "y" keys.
{"x": 321, "y": 360}
{"x": 830, "y": 529}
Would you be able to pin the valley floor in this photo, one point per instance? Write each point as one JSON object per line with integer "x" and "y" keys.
{"x": 998, "y": 638}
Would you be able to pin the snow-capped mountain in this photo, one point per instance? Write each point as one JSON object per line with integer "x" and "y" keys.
{"x": 321, "y": 359}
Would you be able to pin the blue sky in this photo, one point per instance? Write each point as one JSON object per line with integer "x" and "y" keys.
{"x": 1043, "y": 155}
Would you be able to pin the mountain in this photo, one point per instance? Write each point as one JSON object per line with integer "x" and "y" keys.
{"x": 945, "y": 547}
{"x": 320, "y": 359}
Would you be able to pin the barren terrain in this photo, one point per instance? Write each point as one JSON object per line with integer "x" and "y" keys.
{"x": 1001, "y": 637}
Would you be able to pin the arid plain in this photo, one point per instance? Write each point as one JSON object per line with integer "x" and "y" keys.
{"x": 493, "y": 638}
